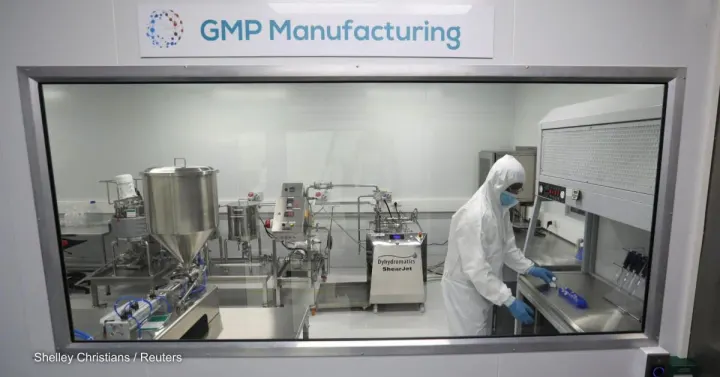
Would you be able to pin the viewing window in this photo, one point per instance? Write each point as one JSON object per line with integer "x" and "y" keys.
{"x": 305, "y": 211}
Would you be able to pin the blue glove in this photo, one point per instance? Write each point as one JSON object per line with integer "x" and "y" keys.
{"x": 541, "y": 273}
{"x": 522, "y": 312}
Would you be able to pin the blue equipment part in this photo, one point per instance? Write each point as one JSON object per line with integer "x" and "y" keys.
{"x": 573, "y": 298}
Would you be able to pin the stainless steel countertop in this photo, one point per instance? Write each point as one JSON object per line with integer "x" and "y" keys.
{"x": 600, "y": 316}
{"x": 85, "y": 231}
{"x": 550, "y": 251}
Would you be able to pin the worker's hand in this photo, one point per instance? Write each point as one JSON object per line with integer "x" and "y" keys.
{"x": 522, "y": 312}
{"x": 541, "y": 273}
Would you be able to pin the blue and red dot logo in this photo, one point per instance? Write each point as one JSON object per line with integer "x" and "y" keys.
{"x": 165, "y": 28}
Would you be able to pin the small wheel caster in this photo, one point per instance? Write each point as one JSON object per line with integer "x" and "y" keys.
{"x": 422, "y": 308}
{"x": 324, "y": 279}
{"x": 375, "y": 308}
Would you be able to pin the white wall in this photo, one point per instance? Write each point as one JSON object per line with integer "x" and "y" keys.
{"x": 532, "y": 104}
{"x": 418, "y": 140}
{"x": 528, "y": 32}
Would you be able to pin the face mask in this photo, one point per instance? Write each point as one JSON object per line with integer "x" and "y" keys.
{"x": 507, "y": 199}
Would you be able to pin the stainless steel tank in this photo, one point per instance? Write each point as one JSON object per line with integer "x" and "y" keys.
{"x": 181, "y": 205}
{"x": 242, "y": 222}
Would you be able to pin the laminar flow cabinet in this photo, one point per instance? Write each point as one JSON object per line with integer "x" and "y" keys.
{"x": 602, "y": 157}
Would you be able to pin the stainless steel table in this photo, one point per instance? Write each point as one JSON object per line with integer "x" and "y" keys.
{"x": 100, "y": 230}
{"x": 286, "y": 323}
{"x": 600, "y": 316}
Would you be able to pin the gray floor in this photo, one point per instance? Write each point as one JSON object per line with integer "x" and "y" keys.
{"x": 391, "y": 321}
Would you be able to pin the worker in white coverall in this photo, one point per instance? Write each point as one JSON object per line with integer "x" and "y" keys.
{"x": 481, "y": 240}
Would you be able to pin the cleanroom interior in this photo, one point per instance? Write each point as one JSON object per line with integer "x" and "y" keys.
{"x": 402, "y": 153}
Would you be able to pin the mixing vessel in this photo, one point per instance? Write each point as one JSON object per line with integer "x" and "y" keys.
{"x": 181, "y": 204}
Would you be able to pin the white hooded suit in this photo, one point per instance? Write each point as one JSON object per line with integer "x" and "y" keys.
{"x": 481, "y": 240}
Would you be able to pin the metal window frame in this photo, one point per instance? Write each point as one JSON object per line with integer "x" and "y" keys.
{"x": 30, "y": 78}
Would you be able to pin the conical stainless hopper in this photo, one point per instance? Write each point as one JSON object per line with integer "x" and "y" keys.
{"x": 181, "y": 205}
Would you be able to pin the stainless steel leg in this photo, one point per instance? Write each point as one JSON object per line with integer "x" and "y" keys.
{"x": 113, "y": 247}
{"x": 246, "y": 253}
{"x": 518, "y": 325}
{"x": 276, "y": 280}
{"x": 265, "y": 292}
{"x": 493, "y": 330}
{"x": 94, "y": 295}
{"x": 227, "y": 251}
{"x": 249, "y": 251}
{"x": 223, "y": 250}
{"x": 105, "y": 262}
{"x": 259, "y": 238}
{"x": 148, "y": 256}
{"x": 306, "y": 329}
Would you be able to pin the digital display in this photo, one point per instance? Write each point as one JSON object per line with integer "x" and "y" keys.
{"x": 552, "y": 192}
{"x": 397, "y": 236}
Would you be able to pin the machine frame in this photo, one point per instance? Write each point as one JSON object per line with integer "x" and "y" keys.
{"x": 49, "y": 230}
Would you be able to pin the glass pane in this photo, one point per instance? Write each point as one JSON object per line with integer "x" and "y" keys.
{"x": 354, "y": 210}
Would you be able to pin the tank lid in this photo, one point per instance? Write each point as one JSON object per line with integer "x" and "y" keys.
{"x": 181, "y": 170}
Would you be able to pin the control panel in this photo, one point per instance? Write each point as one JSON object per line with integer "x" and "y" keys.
{"x": 290, "y": 218}
{"x": 552, "y": 192}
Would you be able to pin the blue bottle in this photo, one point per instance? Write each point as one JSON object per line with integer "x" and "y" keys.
{"x": 573, "y": 298}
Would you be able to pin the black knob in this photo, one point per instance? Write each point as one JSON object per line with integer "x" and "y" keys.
{"x": 658, "y": 372}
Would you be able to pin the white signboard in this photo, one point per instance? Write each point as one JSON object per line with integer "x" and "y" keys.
{"x": 286, "y": 29}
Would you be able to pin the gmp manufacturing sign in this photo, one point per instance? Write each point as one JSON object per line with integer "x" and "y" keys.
{"x": 287, "y": 29}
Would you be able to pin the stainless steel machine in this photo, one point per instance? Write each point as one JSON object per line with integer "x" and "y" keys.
{"x": 292, "y": 227}
{"x": 600, "y": 157}
{"x": 397, "y": 268}
{"x": 181, "y": 205}
{"x": 242, "y": 228}
{"x": 251, "y": 266}
{"x": 291, "y": 218}
{"x": 136, "y": 258}
{"x": 242, "y": 222}
{"x": 389, "y": 234}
